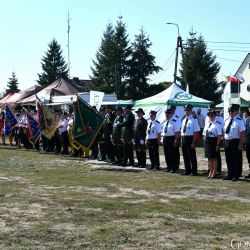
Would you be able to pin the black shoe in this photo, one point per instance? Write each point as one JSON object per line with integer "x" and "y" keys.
{"x": 173, "y": 171}
{"x": 137, "y": 165}
{"x": 235, "y": 179}
{"x": 247, "y": 176}
{"x": 157, "y": 168}
{"x": 167, "y": 170}
{"x": 124, "y": 164}
{"x": 151, "y": 168}
{"x": 193, "y": 174}
{"x": 185, "y": 173}
{"x": 131, "y": 164}
{"x": 227, "y": 178}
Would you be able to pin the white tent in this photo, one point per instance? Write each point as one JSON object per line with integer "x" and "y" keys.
{"x": 173, "y": 95}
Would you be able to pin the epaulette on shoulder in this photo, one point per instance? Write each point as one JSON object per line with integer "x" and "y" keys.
{"x": 173, "y": 120}
{"x": 177, "y": 116}
{"x": 218, "y": 122}
{"x": 239, "y": 118}
{"x": 157, "y": 121}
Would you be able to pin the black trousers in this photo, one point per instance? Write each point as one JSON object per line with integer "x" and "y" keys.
{"x": 65, "y": 142}
{"x": 109, "y": 149}
{"x": 102, "y": 151}
{"x": 248, "y": 149}
{"x": 94, "y": 149}
{"x": 153, "y": 150}
{"x": 233, "y": 158}
{"x": 170, "y": 153}
{"x": 128, "y": 153}
{"x": 141, "y": 154}
{"x": 189, "y": 155}
{"x": 118, "y": 151}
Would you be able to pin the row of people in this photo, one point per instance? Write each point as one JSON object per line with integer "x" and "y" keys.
{"x": 122, "y": 131}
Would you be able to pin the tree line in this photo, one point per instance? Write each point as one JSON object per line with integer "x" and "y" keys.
{"x": 125, "y": 67}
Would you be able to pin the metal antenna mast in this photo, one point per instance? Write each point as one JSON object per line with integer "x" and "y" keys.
{"x": 68, "y": 22}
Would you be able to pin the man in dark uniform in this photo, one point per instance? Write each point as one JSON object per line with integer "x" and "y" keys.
{"x": 107, "y": 131}
{"x": 127, "y": 136}
{"x": 101, "y": 141}
{"x": 116, "y": 136}
{"x": 140, "y": 128}
{"x": 234, "y": 133}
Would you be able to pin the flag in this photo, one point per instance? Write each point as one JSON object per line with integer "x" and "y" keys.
{"x": 47, "y": 120}
{"x": 86, "y": 126}
{"x": 33, "y": 130}
{"x": 9, "y": 121}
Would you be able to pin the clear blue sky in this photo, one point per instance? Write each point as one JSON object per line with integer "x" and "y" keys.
{"x": 28, "y": 26}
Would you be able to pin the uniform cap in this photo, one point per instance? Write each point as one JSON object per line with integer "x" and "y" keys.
{"x": 108, "y": 107}
{"x": 173, "y": 107}
{"x": 119, "y": 108}
{"x": 153, "y": 112}
{"x": 211, "y": 113}
{"x": 140, "y": 110}
{"x": 169, "y": 111}
{"x": 234, "y": 107}
{"x": 211, "y": 106}
{"x": 188, "y": 107}
{"x": 128, "y": 106}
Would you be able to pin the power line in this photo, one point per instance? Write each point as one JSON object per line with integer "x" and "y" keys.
{"x": 164, "y": 71}
{"x": 164, "y": 64}
{"x": 227, "y": 42}
{"x": 226, "y": 59}
{"x": 232, "y": 50}
{"x": 228, "y": 46}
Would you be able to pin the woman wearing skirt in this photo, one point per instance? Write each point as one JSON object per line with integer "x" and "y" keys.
{"x": 212, "y": 137}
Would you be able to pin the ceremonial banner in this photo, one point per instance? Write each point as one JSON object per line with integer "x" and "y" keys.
{"x": 47, "y": 120}
{"x": 87, "y": 124}
{"x": 34, "y": 131}
{"x": 95, "y": 99}
{"x": 9, "y": 121}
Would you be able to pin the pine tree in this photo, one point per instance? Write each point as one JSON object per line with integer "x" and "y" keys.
{"x": 53, "y": 65}
{"x": 12, "y": 85}
{"x": 201, "y": 69}
{"x": 103, "y": 71}
{"x": 110, "y": 67}
{"x": 142, "y": 65}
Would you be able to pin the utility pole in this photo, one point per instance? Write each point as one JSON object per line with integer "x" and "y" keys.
{"x": 68, "y": 22}
{"x": 179, "y": 45}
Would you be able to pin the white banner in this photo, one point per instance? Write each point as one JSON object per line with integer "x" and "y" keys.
{"x": 226, "y": 98}
{"x": 95, "y": 99}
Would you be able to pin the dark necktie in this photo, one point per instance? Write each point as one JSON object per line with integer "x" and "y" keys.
{"x": 207, "y": 132}
{"x": 185, "y": 126}
{"x": 150, "y": 125}
{"x": 229, "y": 126}
{"x": 166, "y": 127}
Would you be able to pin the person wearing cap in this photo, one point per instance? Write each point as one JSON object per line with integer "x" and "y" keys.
{"x": 220, "y": 122}
{"x": 107, "y": 131}
{"x": 116, "y": 136}
{"x": 101, "y": 141}
{"x": 171, "y": 136}
{"x": 234, "y": 133}
{"x": 127, "y": 136}
{"x": 247, "y": 122}
{"x": 189, "y": 130}
{"x": 212, "y": 136}
{"x": 63, "y": 133}
{"x": 153, "y": 140}
{"x": 176, "y": 149}
{"x": 140, "y": 128}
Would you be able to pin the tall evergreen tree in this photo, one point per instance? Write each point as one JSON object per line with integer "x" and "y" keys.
{"x": 110, "y": 67}
{"x": 142, "y": 65}
{"x": 53, "y": 65}
{"x": 103, "y": 71}
{"x": 12, "y": 85}
{"x": 201, "y": 69}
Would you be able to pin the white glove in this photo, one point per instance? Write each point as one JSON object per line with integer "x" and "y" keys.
{"x": 111, "y": 137}
{"x": 142, "y": 142}
{"x": 133, "y": 141}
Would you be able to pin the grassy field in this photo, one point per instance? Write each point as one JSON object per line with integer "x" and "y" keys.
{"x": 55, "y": 202}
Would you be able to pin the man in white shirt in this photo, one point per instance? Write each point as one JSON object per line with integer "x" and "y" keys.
{"x": 171, "y": 136}
{"x": 153, "y": 139}
{"x": 63, "y": 132}
{"x": 189, "y": 130}
{"x": 234, "y": 134}
{"x": 201, "y": 120}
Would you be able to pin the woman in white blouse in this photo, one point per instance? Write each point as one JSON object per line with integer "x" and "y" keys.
{"x": 212, "y": 137}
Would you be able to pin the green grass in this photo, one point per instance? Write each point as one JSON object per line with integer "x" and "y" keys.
{"x": 54, "y": 202}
